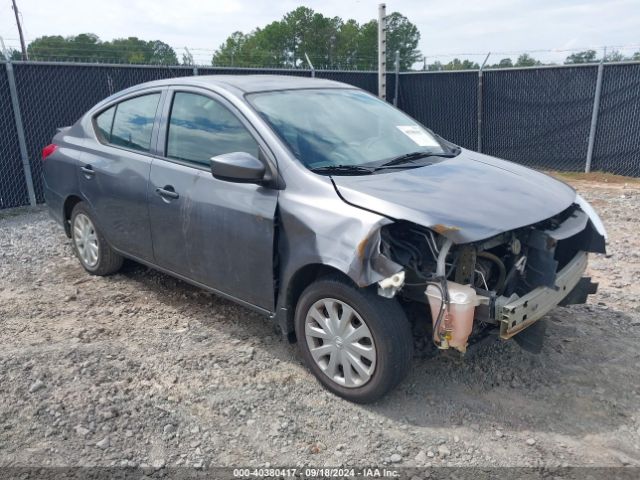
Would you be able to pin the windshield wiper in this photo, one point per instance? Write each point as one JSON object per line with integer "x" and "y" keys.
{"x": 410, "y": 157}
{"x": 343, "y": 169}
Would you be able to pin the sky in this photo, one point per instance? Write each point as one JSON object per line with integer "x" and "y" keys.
{"x": 548, "y": 29}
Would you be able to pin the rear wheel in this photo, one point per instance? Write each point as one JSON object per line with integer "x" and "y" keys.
{"x": 358, "y": 344}
{"x": 90, "y": 246}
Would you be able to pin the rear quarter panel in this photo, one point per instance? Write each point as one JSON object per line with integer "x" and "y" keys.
{"x": 59, "y": 177}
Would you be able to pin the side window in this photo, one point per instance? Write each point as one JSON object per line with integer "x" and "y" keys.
{"x": 133, "y": 122}
{"x": 201, "y": 128}
{"x": 104, "y": 121}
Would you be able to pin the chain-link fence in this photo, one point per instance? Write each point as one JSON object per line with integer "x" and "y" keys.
{"x": 56, "y": 95}
{"x": 540, "y": 117}
{"x": 617, "y": 140}
{"x": 446, "y": 102}
{"x": 13, "y": 186}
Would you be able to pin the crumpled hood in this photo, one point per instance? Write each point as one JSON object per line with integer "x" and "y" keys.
{"x": 467, "y": 198}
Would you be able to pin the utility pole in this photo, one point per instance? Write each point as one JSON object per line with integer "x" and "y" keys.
{"x": 382, "y": 51}
{"x": 22, "y": 45}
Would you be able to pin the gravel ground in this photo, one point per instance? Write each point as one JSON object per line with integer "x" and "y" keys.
{"x": 140, "y": 369}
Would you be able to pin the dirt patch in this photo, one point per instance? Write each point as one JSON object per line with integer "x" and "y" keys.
{"x": 141, "y": 369}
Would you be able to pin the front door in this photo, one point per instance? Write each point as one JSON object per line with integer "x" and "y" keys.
{"x": 217, "y": 233}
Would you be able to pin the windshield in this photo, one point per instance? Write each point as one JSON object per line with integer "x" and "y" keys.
{"x": 342, "y": 127}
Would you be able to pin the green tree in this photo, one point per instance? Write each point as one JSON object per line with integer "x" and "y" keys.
{"x": 614, "y": 56}
{"x": 526, "y": 60}
{"x": 161, "y": 53}
{"x": 402, "y": 36}
{"x": 367, "y": 51}
{"x": 329, "y": 42}
{"x": 346, "y": 45}
{"x": 187, "y": 58}
{"x": 504, "y": 63}
{"x": 588, "y": 56}
{"x": 13, "y": 54}
{"x": 230, "y": 50}
{"x": 457, "y": 64}
{"x": 88, "y": 47}
{"x": 49, "y": 47}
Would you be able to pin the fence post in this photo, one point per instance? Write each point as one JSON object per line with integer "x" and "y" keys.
{"x": 382, "y": 51}
{"x": 480, "y": 103}
{"x": 195, "y": 70}
{"x": 26, "y": 166}
{"x": 594, "y": 116}
{"x": 395, "y": 86}
{"x": 313, "y": 70}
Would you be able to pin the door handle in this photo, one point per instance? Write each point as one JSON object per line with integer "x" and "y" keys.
{"x": 167, "y": 192}
{"x": 88, "y": 170}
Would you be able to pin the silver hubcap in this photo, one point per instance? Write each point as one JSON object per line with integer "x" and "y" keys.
{"x": 340, "y": 342}
{"x": 86, "y": 240}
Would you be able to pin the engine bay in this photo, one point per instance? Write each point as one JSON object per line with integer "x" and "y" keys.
{"x": 472, "y": 287}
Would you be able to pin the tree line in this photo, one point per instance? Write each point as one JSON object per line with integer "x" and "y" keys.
{"x": 299, "y": 37}
{"x": 526, "y": 60}
{"x": 328, "y": 42}
{"x": 87, "y": 47}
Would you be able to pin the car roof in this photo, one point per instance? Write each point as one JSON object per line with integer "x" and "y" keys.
{"x": 249, "y": 83}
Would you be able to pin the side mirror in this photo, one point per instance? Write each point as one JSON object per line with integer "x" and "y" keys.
{"x": 238, "y": 167}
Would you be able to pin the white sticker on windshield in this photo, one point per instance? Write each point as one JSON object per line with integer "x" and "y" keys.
{"x": 418, "y": 135}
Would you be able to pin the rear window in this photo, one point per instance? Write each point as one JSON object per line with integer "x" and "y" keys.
{"x": 104, "y": 122}
{"x": 130, "y": 123}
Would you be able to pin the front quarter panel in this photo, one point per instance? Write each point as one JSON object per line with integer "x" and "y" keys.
{"x": 316, "y": 227}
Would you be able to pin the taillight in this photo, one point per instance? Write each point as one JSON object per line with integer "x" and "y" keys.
{"x": 48, "y": 150}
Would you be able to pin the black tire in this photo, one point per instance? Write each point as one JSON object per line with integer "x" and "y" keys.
{"x": 387, "y": 323}
{"x": 109, "y": 261}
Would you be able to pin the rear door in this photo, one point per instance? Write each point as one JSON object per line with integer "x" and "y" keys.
{"x": 217, "y": 233}
{"x": 114, "y": 171}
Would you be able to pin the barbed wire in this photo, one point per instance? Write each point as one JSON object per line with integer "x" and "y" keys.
{"x": 203, "y": 56}
{"x": 597, "y": 48}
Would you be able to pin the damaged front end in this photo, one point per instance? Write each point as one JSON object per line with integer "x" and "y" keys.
{"x": 500, "y": 285}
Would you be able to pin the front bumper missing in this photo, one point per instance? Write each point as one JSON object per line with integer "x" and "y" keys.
{"x": 516, "y": 315}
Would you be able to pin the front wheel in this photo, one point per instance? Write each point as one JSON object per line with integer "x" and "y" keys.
{"x": 90, "y": 246}
{"x": 358, "y": 344}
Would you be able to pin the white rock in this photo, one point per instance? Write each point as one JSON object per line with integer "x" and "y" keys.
{"x": 499, "y": 434}
{"x": 395, "y": 458}
{"x": 421, "y": 457}
{"x": 104, "y": 443}
{"x": 35, "y": 386}
{"x": 531, "y": 441}
{"x": 443, "y": 451}
{"x": 169, "y": 428}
